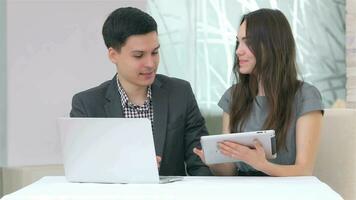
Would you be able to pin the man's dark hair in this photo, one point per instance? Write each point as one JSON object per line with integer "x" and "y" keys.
{"x": 124, "y": 22}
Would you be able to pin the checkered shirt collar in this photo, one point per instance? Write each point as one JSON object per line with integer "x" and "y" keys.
{"x": 125, "y": 99}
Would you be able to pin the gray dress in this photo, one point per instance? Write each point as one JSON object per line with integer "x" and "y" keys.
{"x": 307, "y": 99}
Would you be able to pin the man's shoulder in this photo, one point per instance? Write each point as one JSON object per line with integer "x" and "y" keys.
{"x": 98, "y": 91}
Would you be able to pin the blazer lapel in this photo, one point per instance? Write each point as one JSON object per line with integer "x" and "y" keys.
{"x": 160, "y": 113}
{"x": 113, "y": 106}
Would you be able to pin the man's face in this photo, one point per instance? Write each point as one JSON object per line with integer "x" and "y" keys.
{"x": 137, "y": 60}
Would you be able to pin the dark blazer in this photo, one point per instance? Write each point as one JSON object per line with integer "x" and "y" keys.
{"x": 178, "y": 123}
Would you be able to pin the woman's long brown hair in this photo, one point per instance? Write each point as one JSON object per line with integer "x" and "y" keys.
{"x": 270, "y": 39}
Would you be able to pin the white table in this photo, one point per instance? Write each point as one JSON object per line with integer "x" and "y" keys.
{"x": 196, "y": 188}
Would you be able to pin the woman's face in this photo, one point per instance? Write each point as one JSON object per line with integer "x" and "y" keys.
{"x": 247, "y": 60}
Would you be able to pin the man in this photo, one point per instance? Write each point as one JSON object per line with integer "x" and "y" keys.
{"x": 137, "y": 92}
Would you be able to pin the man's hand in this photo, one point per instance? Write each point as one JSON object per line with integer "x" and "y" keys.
{"x": 158, "y": 159}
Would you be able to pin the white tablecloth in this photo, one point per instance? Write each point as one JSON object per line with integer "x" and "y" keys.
{"x": 216, "y": 188}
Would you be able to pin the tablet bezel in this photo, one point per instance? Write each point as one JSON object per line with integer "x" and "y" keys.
{"x": 214, "y": 156}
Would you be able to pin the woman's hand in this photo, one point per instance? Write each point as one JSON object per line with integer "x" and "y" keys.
{"x": 200, "y": 153}
{"x": 158, "y": 160}
{"x": 256, "y": 157}
{"x": 222, "y": 169}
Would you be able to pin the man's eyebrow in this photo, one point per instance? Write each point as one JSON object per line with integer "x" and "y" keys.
{"x": 141, "y": 51}
{"x": 157, "y": 47}
{"x": 137, "y": 51}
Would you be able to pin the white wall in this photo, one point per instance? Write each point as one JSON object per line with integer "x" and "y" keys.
{"x": 54, "y": 50}
{"x": 2, "y": 91}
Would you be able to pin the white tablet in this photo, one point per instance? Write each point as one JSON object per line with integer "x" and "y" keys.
{"x": 213, "y": 155}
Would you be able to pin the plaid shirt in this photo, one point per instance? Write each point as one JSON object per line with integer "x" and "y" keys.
{"x": 132, "y": 110}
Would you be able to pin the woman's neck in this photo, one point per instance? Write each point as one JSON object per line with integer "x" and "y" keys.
{"x": 261, "y": 91}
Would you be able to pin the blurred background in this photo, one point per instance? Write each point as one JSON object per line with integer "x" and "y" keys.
{"x": 198, "y": 40}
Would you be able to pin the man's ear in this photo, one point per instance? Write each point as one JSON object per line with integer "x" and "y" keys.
{"x": 113, "y": 55}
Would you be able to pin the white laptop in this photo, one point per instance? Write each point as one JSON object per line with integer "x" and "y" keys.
{"x": 109, "y": 150}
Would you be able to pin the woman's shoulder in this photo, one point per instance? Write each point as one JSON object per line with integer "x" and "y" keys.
{"x": 307, "y": 90}
{"x": 228, "y": 93}
{"x": 226, "y": 98}
{"x": 308, "y": 98}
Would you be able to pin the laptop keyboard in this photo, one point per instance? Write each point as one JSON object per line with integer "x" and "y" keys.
{"x": 170, "y": 179}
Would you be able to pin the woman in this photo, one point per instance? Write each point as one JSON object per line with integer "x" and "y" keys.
{"x": 268, "y": 95}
